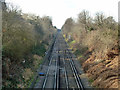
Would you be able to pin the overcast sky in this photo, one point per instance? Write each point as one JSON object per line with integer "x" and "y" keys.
{"x": 60, "y": 10}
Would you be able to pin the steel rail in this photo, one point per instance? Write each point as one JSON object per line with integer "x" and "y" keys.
{"x": 56, "y": 75}
{"x": 74, "y": 70}
{"x": 58, "y": 72}
{"x": 55, "y": 80}
{"x": 56, "y": 84}
{"x": 75, "y": 73}
{"x": 46, "y": 77}
{"x": 66, "y": 77}
{"x": 78, "y": 78}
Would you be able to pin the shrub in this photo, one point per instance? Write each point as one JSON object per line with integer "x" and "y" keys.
{"x": 39, "y": 50}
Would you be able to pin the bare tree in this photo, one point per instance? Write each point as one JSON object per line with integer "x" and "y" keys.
{"x": 99, "y": 19}
{"x": 85, "y": 19}
{"x": 110, "y": 23}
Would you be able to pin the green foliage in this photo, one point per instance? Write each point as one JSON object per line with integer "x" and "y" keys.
{"x": 23, "y": 36}
{"x": 77, "y": 52}
{"x": 91, "y": 80}
{"x": 72, "y": 42}
{"x": 39, "y": 50}
{"x": 11, "y": 83}
{"x": 18, "y": 36}
{"x": 80, "y": 51}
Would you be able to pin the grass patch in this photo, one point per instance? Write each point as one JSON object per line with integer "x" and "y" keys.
{"x": 91, "y": 80}
{"x": 72, "y": 42}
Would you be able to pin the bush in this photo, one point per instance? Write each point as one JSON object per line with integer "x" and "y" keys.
{"x": 101, "y": 40}
{"x": 23, "y": 36}
{"x": 39, "y": 50}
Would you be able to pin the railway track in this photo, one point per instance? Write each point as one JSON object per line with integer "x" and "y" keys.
{"x": 61, "y": 71}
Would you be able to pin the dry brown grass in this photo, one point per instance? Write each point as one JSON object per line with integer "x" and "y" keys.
{"x": 27, "y": 74}
{"x": 101, "y": 41}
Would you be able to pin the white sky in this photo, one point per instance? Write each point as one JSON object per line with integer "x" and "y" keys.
{"x": 60, "y": 10}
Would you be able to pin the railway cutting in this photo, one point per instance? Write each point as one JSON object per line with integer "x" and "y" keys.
{"x": 60, "y": 69}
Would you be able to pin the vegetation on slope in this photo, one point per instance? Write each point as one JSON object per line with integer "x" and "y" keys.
{"x": 26, "y": 38}
{"x": 95, "y": 42}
